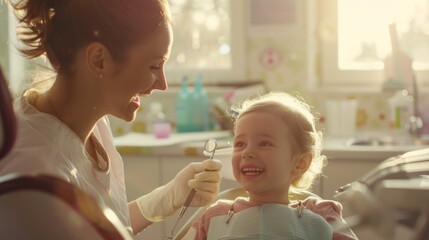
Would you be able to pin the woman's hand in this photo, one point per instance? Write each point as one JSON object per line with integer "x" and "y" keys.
{"x": 204, "y": 177}
{"x": 162, "y": 202}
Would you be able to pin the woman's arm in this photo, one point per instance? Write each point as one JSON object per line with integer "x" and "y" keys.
{"x": 138, "y": 221}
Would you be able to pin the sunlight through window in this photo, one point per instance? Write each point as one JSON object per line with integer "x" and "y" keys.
{"x": 202, "y": 29}
{"x": 363, "y": 32}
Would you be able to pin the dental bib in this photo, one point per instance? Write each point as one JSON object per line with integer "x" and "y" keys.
{"x": 268, "y": 222}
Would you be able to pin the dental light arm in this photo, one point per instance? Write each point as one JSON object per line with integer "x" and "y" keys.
{"x": 394, "y": 195}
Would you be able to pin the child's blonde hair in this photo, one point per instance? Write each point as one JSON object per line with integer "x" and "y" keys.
{"x": 301, "y": 123}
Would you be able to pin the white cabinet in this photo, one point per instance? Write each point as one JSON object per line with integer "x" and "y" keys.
{"x": 340, "y": 172}
{"x": 142, "y": 175}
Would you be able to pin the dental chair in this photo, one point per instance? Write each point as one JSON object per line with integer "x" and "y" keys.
{"x": 45, "y": 207}
{"x": 392, "y": 201}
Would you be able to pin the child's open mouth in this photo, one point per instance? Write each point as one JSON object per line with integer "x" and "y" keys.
{"x": 252, "y": 171}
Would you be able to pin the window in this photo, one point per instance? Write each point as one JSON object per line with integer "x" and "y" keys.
{"x": 208, "y": 40}
{"x": 355, "y": 39}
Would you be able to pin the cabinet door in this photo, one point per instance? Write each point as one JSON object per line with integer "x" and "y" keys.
{"x": 341, "y": 172}
{"x": 142, "y": 175}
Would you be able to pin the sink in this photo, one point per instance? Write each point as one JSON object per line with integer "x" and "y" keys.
{"x": 388, "y": 141}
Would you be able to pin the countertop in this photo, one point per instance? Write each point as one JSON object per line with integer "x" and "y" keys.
{"x": 192, "y": 144}
{"x": 189, "y": 144}
{"x": 336, "y": 148}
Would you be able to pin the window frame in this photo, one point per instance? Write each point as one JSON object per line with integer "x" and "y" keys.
{"x": 236, "y": 73}
{"x": 328, "y": 75}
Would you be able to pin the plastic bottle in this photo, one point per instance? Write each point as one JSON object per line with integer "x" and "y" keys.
{"x": 200, "y": 107}
{"x": 157, "y": 122}
{"x": 400, "y": 109}
{"x": 183, "y": 108}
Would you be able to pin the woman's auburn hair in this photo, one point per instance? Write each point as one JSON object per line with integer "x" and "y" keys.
{"x": 60, "y": 28}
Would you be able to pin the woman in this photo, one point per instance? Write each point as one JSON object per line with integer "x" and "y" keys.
{"x": 106, "y": 55}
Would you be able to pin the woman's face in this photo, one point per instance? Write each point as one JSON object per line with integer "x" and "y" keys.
{"x": 142, "y": 73}
{"x": 262, "y": 159}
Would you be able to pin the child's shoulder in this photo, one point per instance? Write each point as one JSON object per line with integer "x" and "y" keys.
{"x": 222, "y": 206}
{"x": 329, "y": 209}
{"x": 319, "y": 203}
{"x": 222, "y": 203}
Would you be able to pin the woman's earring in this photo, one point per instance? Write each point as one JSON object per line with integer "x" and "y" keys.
{"x": 100, "y": 75}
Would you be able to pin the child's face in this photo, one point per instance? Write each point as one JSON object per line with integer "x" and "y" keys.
{"x": 262, "y": 159}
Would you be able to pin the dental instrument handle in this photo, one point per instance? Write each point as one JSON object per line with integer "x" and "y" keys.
{"x": 183, "y": 210}
{"x": 185, "y": 206}
{"x": 187, "y": 202}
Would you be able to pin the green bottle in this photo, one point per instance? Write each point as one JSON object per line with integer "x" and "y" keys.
{"x": 183, "y": 108}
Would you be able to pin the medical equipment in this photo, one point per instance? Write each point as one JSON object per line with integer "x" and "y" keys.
{"x": 210, "y": 147}
{"x": 392, "y": 201}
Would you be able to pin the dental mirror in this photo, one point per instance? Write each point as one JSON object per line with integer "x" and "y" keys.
{"x": 210, "y": 147}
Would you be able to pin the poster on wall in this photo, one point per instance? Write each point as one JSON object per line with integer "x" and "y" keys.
{"x": 273, "y": 16}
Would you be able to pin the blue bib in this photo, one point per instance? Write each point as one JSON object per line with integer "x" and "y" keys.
{"x": 270, "y": 222}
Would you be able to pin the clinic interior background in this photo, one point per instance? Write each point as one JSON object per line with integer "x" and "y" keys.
{"x": 288, "y": 46}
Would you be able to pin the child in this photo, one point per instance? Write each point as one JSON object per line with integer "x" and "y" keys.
{"x": 276, "y": 150}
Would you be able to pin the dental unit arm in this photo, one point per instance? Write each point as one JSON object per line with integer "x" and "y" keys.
{"x": 392, "y": 201}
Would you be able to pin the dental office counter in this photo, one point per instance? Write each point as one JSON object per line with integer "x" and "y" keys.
{"x": 150, "y": 162}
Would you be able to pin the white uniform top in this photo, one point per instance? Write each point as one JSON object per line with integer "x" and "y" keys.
{"x": 45, "y": 145}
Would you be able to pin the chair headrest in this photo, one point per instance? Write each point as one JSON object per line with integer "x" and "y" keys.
{"x": 7, "y": 118}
